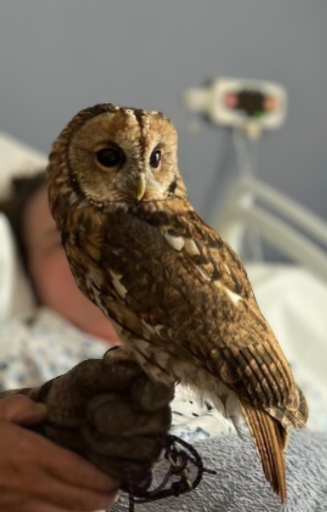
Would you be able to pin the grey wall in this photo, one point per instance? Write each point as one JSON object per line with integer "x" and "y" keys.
{"x": 59, "y": 56}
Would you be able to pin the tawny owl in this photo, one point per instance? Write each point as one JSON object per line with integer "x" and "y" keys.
{"x": 176, "y": 290}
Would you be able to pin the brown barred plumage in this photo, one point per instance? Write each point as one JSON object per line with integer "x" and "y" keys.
{"x": 178, "y": 294}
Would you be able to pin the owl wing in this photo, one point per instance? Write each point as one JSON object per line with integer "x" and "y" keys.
{"x": 251, "y": 360}
{"x": 176, "y": 283}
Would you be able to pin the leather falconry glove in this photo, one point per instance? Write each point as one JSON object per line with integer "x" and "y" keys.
{"x": 108, "y": 411}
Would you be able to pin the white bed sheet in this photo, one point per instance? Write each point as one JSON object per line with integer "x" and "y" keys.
{"x": 294, "y": 301}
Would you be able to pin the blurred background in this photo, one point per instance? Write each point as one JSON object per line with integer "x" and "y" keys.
{"x": 59, "y": 57}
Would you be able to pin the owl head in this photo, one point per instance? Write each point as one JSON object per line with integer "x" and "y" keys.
{"x": 113, "y": 155}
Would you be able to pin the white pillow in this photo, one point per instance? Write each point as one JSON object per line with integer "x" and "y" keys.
{"x": 16, "y": 159}
{"x": 294, "y": 302}
{"x": 16, "y": 296}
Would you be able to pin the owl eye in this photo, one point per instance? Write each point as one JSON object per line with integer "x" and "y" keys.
{"x": 155, "y": 158}
{"x": 110, "y": 157}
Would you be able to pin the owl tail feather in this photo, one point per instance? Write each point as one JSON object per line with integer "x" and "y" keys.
{"x": 270, "y": 442}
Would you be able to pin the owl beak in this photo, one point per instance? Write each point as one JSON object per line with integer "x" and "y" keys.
{"x": 141, "y": 186}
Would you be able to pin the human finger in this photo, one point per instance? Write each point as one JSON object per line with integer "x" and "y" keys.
{"x": 22, "y": 410}
{"x": 60, "y": 494}
{"x": 31, "y": 468}
{"x": 43, "y": 506}
{"x": 74, "y": 470}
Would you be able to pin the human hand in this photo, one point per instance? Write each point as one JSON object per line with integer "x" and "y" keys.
{"x": 37, "y": 475}
{"x": 110, "y": 412}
